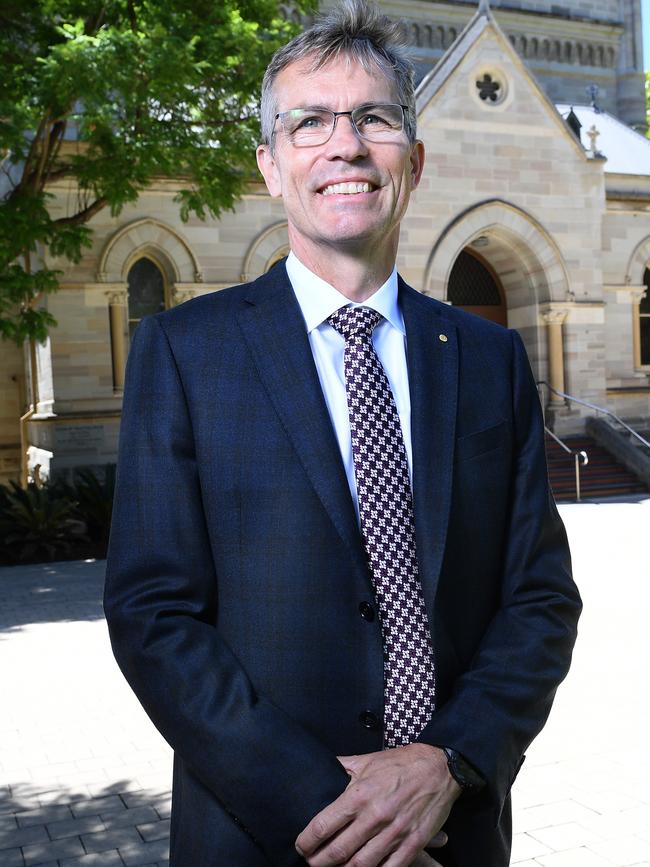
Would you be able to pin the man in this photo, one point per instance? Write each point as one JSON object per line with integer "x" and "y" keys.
{"x": 337, "y": 581}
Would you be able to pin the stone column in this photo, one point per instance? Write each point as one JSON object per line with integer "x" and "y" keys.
{"x": 636, "y": 294}
{"x": 554, "y": 320}
{"x": 117, "y": 313}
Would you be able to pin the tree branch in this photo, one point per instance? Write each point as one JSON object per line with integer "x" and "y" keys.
{"x": 132, "y": 16}
{"x": 28, "y": 172}
{"x": 56, "y": 139}
{"x": 84, "y": 215}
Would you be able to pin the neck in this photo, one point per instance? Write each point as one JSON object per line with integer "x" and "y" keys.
{"x": 354, "y": 276}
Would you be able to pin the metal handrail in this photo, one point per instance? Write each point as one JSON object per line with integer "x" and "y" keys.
{"x": 602, "y": 409}
{"x": 577, "y": 456}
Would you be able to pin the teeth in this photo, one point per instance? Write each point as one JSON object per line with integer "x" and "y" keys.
{"x": 346, "y": 189}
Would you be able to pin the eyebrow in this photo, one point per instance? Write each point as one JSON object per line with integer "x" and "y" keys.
{"x": 327, "y": 108}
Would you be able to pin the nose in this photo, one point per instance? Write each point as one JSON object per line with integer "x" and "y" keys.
{"x": 345, "y": 142}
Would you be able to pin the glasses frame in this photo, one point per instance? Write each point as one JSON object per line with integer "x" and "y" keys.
{"x": 336, "y": 115}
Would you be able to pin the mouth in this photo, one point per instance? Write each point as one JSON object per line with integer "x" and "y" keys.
{"x": 349, "y": 188}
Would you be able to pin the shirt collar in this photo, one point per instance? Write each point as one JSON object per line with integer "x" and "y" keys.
{"x": 318, "y": 299}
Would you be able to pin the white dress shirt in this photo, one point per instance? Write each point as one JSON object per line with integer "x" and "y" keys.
{"x": 318, "y": 300}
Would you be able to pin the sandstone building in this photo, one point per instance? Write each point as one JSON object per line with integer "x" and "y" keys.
{"x": 534, "y": 210}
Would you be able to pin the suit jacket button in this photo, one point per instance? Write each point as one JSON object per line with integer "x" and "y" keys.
{"x": 367, "y": 611}
{"x": 369, "y": 720}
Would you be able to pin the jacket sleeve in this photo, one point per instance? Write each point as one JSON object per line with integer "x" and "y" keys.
{"x": 502, "y": 701}
{"x": 160, "y": 601}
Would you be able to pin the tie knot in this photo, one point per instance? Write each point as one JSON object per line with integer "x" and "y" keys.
{"x": 355, "y": 321}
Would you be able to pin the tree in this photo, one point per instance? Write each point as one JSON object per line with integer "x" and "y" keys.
{"x": 112, "y": 93}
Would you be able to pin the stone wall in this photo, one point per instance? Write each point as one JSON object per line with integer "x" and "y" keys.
{"x": 512, "y": 174}
{"x": 12, "y": 405}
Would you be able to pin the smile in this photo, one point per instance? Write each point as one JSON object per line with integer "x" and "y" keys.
{"x": 347, "y": 189}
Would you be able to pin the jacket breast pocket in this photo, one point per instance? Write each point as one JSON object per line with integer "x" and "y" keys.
{"x": 482, "y": 441}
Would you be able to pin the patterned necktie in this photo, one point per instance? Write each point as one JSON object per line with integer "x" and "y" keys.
{"x": 388, "y": 529}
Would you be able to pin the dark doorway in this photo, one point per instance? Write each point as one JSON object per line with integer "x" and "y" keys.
{"x": 474, "y": 286}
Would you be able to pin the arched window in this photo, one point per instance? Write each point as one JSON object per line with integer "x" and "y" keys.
{"x": 278, "y": 256}
{"x": 644, "y": 324}
{"x": 474, "y": 286}
{"x": 146, "y": 291}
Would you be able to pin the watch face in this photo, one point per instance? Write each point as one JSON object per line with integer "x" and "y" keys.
{"x": 463, "y": 772}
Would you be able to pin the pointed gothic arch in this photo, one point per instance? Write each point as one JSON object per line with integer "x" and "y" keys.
{"x": 269, "y": 246}
{"x": 522, "y": 255}
{"x": 155, "y": 239}
{"x": 638, "y": 262}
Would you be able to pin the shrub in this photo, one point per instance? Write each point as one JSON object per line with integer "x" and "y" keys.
{"x": 37, "y": 524}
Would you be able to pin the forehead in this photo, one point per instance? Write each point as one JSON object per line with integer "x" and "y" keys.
{"x": 340, "y": 83}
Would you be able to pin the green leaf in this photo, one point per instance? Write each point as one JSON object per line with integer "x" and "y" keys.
{"x": 147, "y": 89}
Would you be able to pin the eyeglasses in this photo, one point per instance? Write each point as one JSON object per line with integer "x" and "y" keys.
{"x": 307, "y": 127}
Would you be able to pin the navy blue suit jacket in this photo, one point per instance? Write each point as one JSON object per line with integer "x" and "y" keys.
{"x": 236, "y": 568}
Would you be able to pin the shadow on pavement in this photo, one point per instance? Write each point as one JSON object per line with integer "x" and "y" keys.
{"x": 112, "y": 825}
{"x": 51, "y": 593}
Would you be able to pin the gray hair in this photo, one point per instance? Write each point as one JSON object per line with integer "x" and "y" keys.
{"x": 356, "y": 29}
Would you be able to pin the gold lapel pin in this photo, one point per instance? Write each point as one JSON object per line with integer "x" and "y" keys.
{"x": 443, "y": 338}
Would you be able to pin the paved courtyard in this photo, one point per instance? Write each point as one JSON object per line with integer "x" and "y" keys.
{"x": 84, "y": 777}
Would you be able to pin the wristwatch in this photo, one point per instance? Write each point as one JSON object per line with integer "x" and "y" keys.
{"x": 467, "y": 777}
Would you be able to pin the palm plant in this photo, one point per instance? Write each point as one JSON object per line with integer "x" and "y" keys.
{"x": 37, "y": 523}
{"x": 94, "y": 497}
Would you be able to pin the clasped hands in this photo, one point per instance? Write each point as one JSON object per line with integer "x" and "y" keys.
{"x": 394, "y": 805}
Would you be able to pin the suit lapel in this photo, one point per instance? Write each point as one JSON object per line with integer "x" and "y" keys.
{"x": 275, "y": 331}
{"x": 433, "y": 383}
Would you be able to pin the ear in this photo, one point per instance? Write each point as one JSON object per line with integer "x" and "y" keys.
{"x": 269, "y": 169}
{"x": 417, "y": 163}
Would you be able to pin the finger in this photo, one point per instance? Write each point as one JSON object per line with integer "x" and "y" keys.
{"x": 324, "y": 826}
{"x": 424, "y": 860}
{"x": 350, "y": 763}
{"x": 349, "y": 842}
{"x": 354, "y": 764}
{"x": 404, "y": 857}
{"x": 438, "y": 841}
{"x": 378, "y": 848}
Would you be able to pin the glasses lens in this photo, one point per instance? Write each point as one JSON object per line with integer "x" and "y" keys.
{"x": 378, "y": 122}
{"x": 313, "y": 126}
{"x": 308, "y": 126}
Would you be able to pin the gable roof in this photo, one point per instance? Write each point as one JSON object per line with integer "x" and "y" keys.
{"x": 482, "y": 21}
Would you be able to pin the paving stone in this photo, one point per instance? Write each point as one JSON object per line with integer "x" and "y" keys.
{"x": 630, "y": 850}
{"x": 40, "y": 853}
{"x": 524, "y": 846}
{"x": 558, "y": 813}
{"x": 23, "y": 836}
{"x": 133, "y": 817}
{"x": 163, "y": 807}
{"x": 110, "y": 858}
{"x": 95, "y": 806}
{"x": 115, "y": 839}
{"x": 570, "y": 835}
{"x": 74, "y": 827}
{"x": 11, "y": 858}
{"x": 582, "y": 857}
{"x": 155, "y": 830}
{"x": 8, "y": 823}
{"x": 144, "y": 853}
{"x": 53, "y": 813}
{"x": 143, "y": 797}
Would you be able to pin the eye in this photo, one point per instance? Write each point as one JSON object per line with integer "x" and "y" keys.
{"x": 304, "y": 121}
{"x": 312, "y": 121}
{"x": 370, "y": 119}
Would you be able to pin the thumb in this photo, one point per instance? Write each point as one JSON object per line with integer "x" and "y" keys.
{"x": 352, "y": 764}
